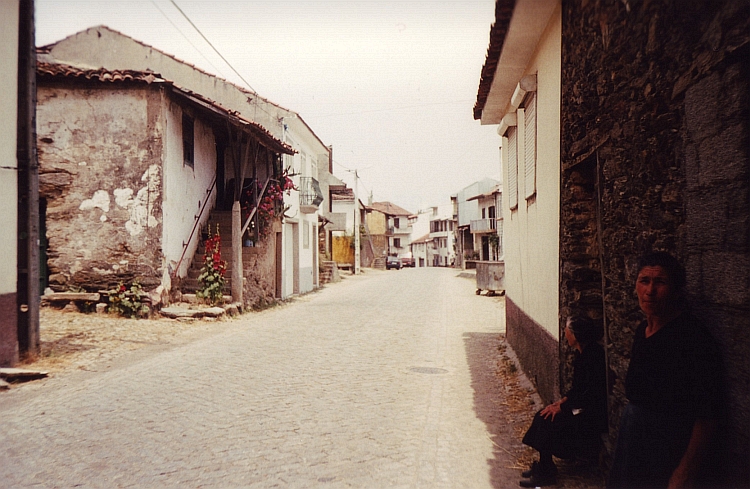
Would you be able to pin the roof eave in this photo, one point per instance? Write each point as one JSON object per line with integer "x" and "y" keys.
{"x": 514, "y": 46}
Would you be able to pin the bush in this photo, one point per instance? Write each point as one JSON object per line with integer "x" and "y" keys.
{"x": 128, "y": 302}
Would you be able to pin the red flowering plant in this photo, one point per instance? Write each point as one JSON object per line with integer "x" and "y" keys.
{"x": 211, "y": 278}
{"x": 272, "y": 204}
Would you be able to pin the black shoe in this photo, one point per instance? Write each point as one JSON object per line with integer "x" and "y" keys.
{"x": 533, "y": 470}
{"x": 539, "y": 480}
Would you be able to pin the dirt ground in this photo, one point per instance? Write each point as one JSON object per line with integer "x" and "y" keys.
{"x": 75, "y": 341}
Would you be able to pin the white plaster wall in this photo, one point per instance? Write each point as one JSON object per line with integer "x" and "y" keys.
{"x": 303, "y": 164}
{"x": 347, "y": 208}
{"x": 185, "y": 188}
{"x": 531, "y": 233}
{"x": 287, "y": 272}
{"x": 468, "y": 210}
{"x": 8, "y": 162}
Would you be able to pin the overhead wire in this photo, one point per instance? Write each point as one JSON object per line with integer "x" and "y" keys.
{"x": 187, "y": 38}
{"x": 213, "y": 47}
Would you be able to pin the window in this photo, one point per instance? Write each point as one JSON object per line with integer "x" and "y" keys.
{"x": 188, "y": 142}
{"x": 530, "y": 145}
{"x": 512, "y": 168}
{"x": 397, "y": 242}
{"x": 484, "y": 213}
{"x": 396, "y": 222}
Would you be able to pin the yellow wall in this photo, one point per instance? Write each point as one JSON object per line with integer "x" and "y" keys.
{"x": 343, "y": 251}
{"x": 376, "y": 222}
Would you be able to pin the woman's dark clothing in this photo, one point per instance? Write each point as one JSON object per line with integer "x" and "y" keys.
{"x": 674, "y": 378}
{"x": 570, "y": 433}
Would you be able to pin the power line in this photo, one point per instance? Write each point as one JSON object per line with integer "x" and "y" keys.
{"x": 187, "y": 39}
{"x": 212, "y": 46}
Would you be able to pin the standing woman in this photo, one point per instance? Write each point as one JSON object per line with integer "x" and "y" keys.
{"x": 575, "y": 422}
{"x": 673, "y": 386}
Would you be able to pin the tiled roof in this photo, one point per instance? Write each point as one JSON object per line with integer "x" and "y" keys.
{"x": 424, "y": 239}
{"x": 389, "y": 209}
{"x": 498, "y": 31}
{"x": 59, "y": 71}
{"x": 48, "y": 49}
{"x": 44, "y": 70}
{"x": 345, "y": 194}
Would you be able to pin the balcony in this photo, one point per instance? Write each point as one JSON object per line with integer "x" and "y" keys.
{"x": 483, "y": 225}
{"x": 310, "y": 195}
{"x": 394, "y": 231}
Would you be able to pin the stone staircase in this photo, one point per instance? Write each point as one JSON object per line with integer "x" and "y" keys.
{"x": 379, "y": 263}
{"x": 224, "y": 220}
{"x": 330, "y": 273}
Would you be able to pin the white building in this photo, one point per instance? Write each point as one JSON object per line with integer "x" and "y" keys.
{"x": 473, "y": 207}
{"x": 520, "y": 93}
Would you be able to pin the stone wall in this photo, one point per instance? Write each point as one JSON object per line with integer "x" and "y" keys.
{"x": 100, "y": 173}
{"x": 655, "y": 156}
{"x": 259, "y": 265}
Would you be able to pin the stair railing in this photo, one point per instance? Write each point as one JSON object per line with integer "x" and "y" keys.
{"x": 195, "y": 226}
{"x": 255, "y": 209}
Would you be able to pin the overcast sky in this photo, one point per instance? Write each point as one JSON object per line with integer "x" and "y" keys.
{"x": 389, "y": 84}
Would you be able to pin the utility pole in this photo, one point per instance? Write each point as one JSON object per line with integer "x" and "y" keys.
{"x": 356, "y": 227}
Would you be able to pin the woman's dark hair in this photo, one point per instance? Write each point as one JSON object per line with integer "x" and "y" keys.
{"x": 586, "y": 330}
{"x": 669, "y": 263}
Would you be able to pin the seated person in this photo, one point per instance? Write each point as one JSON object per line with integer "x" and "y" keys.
{"x": 575, "y": 422}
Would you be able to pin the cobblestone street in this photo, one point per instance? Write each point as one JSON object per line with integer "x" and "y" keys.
{"x": 384, "y": 380}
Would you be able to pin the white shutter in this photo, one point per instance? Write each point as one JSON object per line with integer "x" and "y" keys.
{"x": 530, "y": 146}
{"x": 512, "y": 168}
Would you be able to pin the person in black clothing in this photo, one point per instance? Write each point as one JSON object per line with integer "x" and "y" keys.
{"x": 673, "y": 385}
{"x": 568, "y": 426}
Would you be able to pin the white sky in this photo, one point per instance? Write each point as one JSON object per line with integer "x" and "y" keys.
{"x": 390, "y": 84}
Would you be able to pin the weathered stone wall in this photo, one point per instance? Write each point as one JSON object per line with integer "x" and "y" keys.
{"x": 259, "y": 266}
{"x": 655, "y": 108}
{"x": 100, "y": 172}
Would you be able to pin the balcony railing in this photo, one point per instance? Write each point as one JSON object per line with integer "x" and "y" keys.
{"x": 483, "y": 225}
{"x": 310, "y": 195}
{"x": 394, "y": 230}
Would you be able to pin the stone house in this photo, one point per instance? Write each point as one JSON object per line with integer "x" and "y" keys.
{"x": 645, "y": 147}
{"x": 19, "y": 269}
{"x": 390, "y": 228}
{"x": 310, "y": 167}
{"x": 131, "y": 164}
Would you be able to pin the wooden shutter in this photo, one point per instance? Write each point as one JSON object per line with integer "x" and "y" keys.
{"x": 530, "y": 146}
{"x": 512, "y": 168}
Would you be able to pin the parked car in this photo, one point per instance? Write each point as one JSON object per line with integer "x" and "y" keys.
{"x": 407, "y": 262}
{"x": 392, "y": 262}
